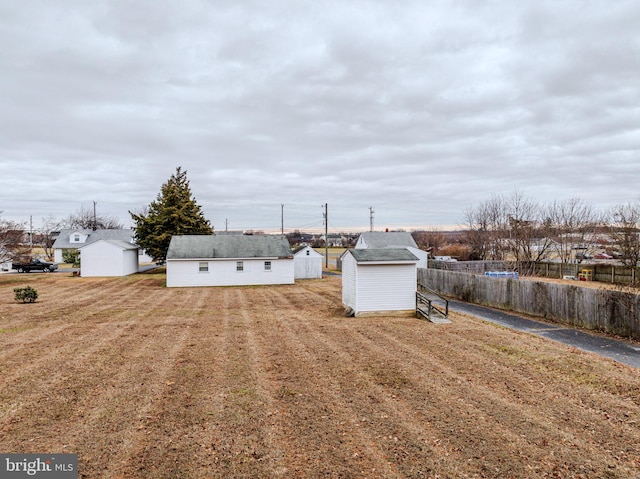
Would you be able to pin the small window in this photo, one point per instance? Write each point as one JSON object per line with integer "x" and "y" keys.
{"x": 307, "y": 252}
{"x": 267, "y": 265}
{"x": 76, "y": 238}
{"x": 239, "y": 265}
{"x": 203, "y": 267}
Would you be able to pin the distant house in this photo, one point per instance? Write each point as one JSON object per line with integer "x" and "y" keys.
{"x": 379, "y": 281}
{"x": 76, "y": 238}
{"x": 227, "y": 260}
{"x": 307, "y": 263}
{"x": 108, "y": 258}
{"x": 395, "y": 239}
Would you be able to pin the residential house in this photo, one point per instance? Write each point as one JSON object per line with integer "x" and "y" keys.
{"x": 226, "y": 260}
{"x": 76, "y": 238}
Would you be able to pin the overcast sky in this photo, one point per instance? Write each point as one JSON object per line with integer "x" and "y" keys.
{"x": 418, "y": 109}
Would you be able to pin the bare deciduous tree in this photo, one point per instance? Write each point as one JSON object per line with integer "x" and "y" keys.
{"x": 50, "y": 226}
{"x": 12, "y": 238}
{"x": 624, "y": 221}
{"x": 486, "y": 228}
{"x": 85, "y": 218}
{"x": 573, "y": 227}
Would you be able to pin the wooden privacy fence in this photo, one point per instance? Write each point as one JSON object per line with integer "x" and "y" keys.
{"x": 606, "y": 273}
{"x": 603, "y": 272}
{"x": 611, "y": 311}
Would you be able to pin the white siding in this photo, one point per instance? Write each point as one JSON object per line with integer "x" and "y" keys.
{"x": 307, "y": 265}
{"x": 349, "y": 278}
{"x": 421, "y": 255}
{"x": 372, "y": 288}
{"x": 105, "y": 259}
{"x": 389, "y": 287}
{"x": 361, "y": 243}
{"x": 223, "y": 272}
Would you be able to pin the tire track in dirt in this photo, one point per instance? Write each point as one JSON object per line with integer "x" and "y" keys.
{"x": 481, "y": 416}
{"x": 219, "y": 431}
{"x": 165, "y": 441}
{"x": 357, "y": 432}
{"x": 273, "y": 382}
{"x": 540, "y": 420}
{"x": 50, "y": 328}
{"x": 504, "y": 411}
{"x": 67, "y": 390}
{"x": 52, "y": 370}
{"x": 461, "y": 397}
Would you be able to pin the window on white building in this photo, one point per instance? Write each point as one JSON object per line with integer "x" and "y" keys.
{"x": 267, "y": 265}
{"x": 203, "y": 267}
{"x": 239, "y": 265}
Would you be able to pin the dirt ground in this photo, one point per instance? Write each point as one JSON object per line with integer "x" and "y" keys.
{"x": 142, "y": 381}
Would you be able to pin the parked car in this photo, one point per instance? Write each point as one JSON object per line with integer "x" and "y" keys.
{"x": 35, "y": 265}
{"x": 603, "y": 256}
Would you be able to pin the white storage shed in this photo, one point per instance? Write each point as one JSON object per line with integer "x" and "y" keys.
{"x": 379, "y": 281}
{"x": 108, "y": 258}
{"x": 220, "y": 260}
{"x": 307, "y": 263}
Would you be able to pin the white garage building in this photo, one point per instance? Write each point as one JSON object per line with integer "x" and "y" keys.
{"x": 108, "y": 258}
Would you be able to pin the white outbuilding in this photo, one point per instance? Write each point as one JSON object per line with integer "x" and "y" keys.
{"x": 307, "y": 263}
{"x": 108, "y": 258}
{"x": 220, "y": 260}
{"x": 379, "y": 281}
{"x": 392, "y": 239}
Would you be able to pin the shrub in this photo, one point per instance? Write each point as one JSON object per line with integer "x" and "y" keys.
{"x": 71, "y": 256}
{"x": 26, "y": 294}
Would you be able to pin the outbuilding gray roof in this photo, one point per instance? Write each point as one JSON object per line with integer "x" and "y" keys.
{"x": 124, "y": 245}
{"x": 228, "y": 247}
{"x": 383, "y": 255}
{"x": 395, "y": 239}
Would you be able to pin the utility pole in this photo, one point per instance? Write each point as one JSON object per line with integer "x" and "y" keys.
{"x": 95, "y": 223}
{"x": 326, "y": 235}
{"x": 30, "y": 232}
{"x": 226, "y": 225}
{"x": 282, "y": 219}
{"x": 371, "y": 212}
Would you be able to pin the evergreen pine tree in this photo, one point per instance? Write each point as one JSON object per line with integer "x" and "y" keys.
{"x": 174, "y": 212}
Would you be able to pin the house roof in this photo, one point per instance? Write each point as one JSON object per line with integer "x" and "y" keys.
{"x": 62, "y": 241}
{"x": 124, "y": 245}
{"x": 228, "y": 247}
{"x": 383, "y": 255}
{"x": 396, "y": 239}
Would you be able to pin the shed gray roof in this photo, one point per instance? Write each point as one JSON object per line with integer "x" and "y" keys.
{"x": 395, "y": 239}
{"x": 387, "y": 255}
{"x": 228, "y": 247}
{"x": 125, "y": 245}
{"x": 62, "y": 241}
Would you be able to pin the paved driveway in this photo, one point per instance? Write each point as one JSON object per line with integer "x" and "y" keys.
{"x": 621, "y": 351}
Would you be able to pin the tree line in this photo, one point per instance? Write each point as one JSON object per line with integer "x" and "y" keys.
{"x": 518, "y": 228}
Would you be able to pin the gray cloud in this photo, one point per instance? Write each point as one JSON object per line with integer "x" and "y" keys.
{"x": 417, "y": 109}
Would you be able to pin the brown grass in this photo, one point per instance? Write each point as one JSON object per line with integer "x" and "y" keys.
{"x": 266, "y": 382}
